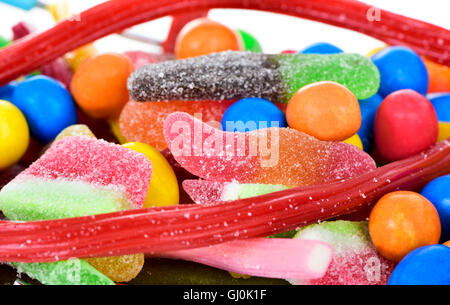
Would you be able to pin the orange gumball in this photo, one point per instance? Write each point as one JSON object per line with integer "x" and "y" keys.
{"x": 447, "y": 243}
{"x": 325, "y": 110}
{"x": 99, "y": 85}
{"x": 401, "y": 222}
{"x": 203, "y": 36}
{"x": 439, "y": 76}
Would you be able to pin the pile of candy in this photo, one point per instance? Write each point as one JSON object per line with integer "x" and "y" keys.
{"x": 305, "y": 167}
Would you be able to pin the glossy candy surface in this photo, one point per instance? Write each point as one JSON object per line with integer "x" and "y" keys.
{"x": 369, "y": 109}
{"x": 250, "y": 43}
{"x": 400, "y": 68}
{"x": 321, "y": 48}
{"x": 429, "y": 265}
{"x": 99, "y": 85}
{"x": 325, "y": 110}
{"x": 204, "y": 36}
{"x": 438, "y": 192}
{"x": 401, "y": 222}
{"x": 33, "y": 95}
{"x": 14, "y": 134}
{"x": 252, "y": 113}
{"x": 163, "y": 188}
{"x": 405, "y": 124}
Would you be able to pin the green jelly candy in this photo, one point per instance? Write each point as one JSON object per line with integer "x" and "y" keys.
{"x": 250, "y": 42}
{"x": 235, "y": 191}
{"x": 70, "y": 272}
{"x": 236, "y": 75}
{"x": 356, "y": 72}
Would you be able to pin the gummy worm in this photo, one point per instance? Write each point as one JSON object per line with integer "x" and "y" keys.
{"x": 164, "y": 229}
{"x": 115, "y": 15}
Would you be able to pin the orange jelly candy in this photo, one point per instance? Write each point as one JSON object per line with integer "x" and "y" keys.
{"x": 203, "y": 36}
{"x": 144, "y": 122}
{"x": 401, "y": 222}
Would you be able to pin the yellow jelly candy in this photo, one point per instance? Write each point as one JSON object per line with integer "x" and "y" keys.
{"x": 163, "y": 189}
{"x": 119, "y": 268}
{"x": 444, "y": 131}
{"x": 114, "y": 124}
{"x": 14, "y": 134}
{"x": 75, "y": 130}
{"x": 355, "y": 140}
{"x": 59, "y": 10}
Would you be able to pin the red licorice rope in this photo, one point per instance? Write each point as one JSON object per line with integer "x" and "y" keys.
{"x": 115, "y": 15}
{"x": 192, "y": 226}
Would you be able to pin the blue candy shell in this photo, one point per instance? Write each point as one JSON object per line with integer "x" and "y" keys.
{"x": 369, "y": 109}
{"x": 321, "y": 48}
{"x": 438, "y": 192}
{"x": 429, "y": 265}
{"x": 48, "y": 107}
{"x": 400, "y": 68}
{"x": 441, "y": 103}
{"x": 6, "y": 92}
{"x": 255, "y": 113}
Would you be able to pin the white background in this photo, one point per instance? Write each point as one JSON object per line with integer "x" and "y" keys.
{"x": 275, "y": 32}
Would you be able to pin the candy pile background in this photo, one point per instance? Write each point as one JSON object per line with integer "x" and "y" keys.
{"x": 146, "y": 171}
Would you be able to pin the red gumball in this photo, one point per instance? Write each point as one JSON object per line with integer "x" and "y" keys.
{"x": 405, "y": 124}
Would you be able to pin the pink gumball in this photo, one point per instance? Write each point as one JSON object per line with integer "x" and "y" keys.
{"x": 405, "y": 124}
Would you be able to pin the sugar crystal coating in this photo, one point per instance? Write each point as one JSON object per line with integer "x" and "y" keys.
{"x": 236, "y": 75}
{"x": 355, "y": 262}
{"x": 264, "y": 156}
{"x": 144, "y": 122}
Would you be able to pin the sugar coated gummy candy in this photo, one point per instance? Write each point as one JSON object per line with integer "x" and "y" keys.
{"x": 264, "y": 156}
{"x": 355, "y": 261}
{"x": 144, "y": 122}
{"x": 76, "y": 176}
{"x": 206, "y": 192}
{"x": 236, "y": 75}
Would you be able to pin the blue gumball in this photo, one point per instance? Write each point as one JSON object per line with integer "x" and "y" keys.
{"x": 429, "y": 265}
{"x": 368, "y": 111}
{"x": 321, "y": 48}
{"x": 441, "y": 103}
{"x": 400, "y": 68}
{"x": 48, "y": 107}
{"x": 6, "y": 92}
{"x": 438, "y": 192}
{"x": 252, "y": 113}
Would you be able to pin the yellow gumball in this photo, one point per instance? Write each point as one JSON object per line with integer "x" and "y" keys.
{"x": 163, "y": 189}
{"x": 355, "y": 140}
{"x": 376, "y": 50}
{"x": 444, "y": 131}
{"x": 14, "y": 134}
{"x": 114, "y": 124}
